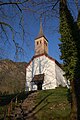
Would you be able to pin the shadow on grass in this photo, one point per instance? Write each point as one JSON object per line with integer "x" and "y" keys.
{"x": 34, "y": 108}
{"x": 6, "y": 99}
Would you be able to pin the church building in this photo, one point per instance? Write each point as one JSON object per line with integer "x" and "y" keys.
{"x": 43, "y": 72}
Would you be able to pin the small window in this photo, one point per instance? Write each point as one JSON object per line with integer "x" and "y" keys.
{"x": 45, "y": 43}
{"x": 37, "y": 42}
{"x": 40, "y": 42}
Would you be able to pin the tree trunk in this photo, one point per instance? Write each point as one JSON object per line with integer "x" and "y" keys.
{"x": 63, "y": 1}
{"x": 77, "y": 84}
{"x": 73, "y": 115}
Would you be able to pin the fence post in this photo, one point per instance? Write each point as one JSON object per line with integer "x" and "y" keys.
{"x": 10, "y": 108}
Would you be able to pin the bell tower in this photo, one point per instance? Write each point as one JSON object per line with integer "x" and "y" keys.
{"x": 41, "y": 43}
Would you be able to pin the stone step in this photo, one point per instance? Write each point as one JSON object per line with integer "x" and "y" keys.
{"x": 24, "y": 111}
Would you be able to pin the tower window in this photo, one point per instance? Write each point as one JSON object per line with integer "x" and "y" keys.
{"x": 45, "y": 43}
{"x": 40, "y": 42}
{"x": 37, "y": 42}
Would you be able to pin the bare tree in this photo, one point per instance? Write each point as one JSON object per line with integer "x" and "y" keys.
{"x": 12, "y": 21}
{"x": 12, "y": 25}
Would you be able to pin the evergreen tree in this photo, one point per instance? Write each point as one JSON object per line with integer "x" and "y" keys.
{"x": 67, "y": 46}
{"x": 68, "y": 50}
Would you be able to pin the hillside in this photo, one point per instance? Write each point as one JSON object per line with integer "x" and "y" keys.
{"x": 12, "y": 76}
{"x": 42, "y": 105}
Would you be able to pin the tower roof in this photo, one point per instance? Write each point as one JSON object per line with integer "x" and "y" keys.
{"x": 40, "y": 34}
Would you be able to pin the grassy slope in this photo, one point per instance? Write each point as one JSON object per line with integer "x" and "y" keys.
{"x": 49, "y": 105}
{"x": 53, "y": 105}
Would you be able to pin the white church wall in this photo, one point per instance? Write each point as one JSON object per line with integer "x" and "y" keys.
{"x": 60, "y": 79}
{"x": 28, "y": 77}
{"x": 31, "y": 70}
{"x": 49, "y": 70}
{"x": 41, "y": 65}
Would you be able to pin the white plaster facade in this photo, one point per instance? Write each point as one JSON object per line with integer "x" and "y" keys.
{"x": 53, "y": 74}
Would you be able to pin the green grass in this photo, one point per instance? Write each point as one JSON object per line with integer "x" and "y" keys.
{"x": 52, "y": 105}
{"x": 49, "y": 104}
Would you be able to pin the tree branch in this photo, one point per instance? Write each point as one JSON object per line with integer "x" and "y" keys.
{"x": 19, "y": 8}
{"x": 6, "y": 24}
{"x": 13, "y": 3}
{"x": 55, "y": 4}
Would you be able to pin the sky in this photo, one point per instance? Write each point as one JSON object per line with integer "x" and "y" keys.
{"x": 49, "y": 30}
{"x": 26, "y": 40}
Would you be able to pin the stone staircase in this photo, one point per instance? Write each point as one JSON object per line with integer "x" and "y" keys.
{"x": 16, "y": 113}
{"x": 26, "y": 109}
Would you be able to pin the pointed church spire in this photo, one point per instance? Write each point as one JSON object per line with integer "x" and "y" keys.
{"x": 40, "y": 34}
{"x": 41, "y": 43}
{"x": 41, "y": 30}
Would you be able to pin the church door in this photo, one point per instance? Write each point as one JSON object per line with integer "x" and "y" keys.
{"x": 39, "y": 86}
